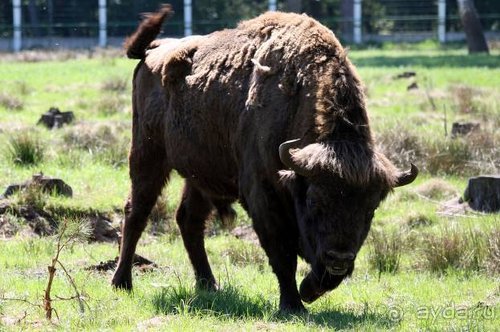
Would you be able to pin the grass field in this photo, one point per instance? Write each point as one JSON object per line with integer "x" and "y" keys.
{"x": 421, "y": 269}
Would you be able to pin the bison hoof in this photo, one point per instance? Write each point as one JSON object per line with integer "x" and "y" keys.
{"x": 121, "y": 283}
{"x": 207, "y": 285}
{"x": 288, "y": 308}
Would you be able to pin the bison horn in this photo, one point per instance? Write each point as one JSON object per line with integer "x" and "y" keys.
{"x": 407, "y": 177}
{"x": 286, "y": 157}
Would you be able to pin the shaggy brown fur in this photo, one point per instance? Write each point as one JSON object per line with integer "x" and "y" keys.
{"x": 217, "y": 108}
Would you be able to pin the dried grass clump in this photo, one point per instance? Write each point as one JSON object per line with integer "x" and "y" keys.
{"x": 463, "y": 97}
{"x": 244, "y": 253}
{"x": 111, "y": 104}
{"x": 115, "y": 84}
{"x": 385, "y": 250}
{"x": 11, "y": 102}
{"x": 437, "y": 189}
{"x": 46, "y": 55}
{"x": 478, "y": 152}
{"x": 25, "y": 149}
{"x": 452, "y": 248}
{"x": 493, "y": 257}
{"x": 420, "y": 220}
{"x": 105, "y": 142}
{"x": 448, "y": 156}
{"x": 401, "y": 145}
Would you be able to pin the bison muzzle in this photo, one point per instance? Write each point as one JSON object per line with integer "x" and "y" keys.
{"x": 271, "y": 113}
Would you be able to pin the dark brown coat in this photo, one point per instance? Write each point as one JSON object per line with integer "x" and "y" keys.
{"x": 222, "y": 110}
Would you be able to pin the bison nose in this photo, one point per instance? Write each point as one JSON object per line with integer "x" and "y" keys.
{"x": 338, "y": 263}
{"x": 340, "y": 259}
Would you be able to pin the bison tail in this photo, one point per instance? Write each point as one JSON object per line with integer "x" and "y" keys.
{"x": 147, "y": 31}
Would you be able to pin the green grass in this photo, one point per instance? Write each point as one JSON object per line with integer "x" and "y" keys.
{"x": 443, "y": 270}
{"x": 248, "y": 298}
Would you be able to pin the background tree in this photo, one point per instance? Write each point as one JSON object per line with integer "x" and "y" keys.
{"x": 476, "y": 41}
{"x": 294, "y": 6}
{"x": 211, "y": 15}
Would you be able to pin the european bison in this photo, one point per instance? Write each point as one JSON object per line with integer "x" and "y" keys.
{"x": 271, "y": 113}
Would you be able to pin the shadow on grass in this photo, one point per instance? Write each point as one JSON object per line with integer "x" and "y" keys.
{"x": 230, "y": 303}
{"x": 430, "y": 61}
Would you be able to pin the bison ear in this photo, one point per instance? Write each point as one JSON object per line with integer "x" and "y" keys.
{"x": 177, "y": 65}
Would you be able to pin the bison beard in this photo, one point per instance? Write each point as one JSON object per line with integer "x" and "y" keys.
{"x": 271, "y": 113}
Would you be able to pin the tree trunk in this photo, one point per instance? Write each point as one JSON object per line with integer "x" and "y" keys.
{"x": 50, "y": 12}
{"x": 294, "y": 6}
{"x": 33, "y": 15}
{"x": 347, "y": 15}
{"x": 472, "y": 27}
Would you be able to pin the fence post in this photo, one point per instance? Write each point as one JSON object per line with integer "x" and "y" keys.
{"x": 16, "y": 24}
{"x": 188, "y": 18}
{"x": 103, "y": 33}
{"x": 272, "y": 5}
{"x": 442, "y": 21}
{"x": 358, "y": 38}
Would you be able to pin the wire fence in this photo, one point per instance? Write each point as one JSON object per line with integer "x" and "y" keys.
{"x": 75, "y": 23}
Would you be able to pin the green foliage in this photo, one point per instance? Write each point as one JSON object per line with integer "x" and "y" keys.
{"x": 385, "y": 250}
{"x": 242, "y": 253}
{"x": 229, "y": 301}
{"x": 25, "y": 149}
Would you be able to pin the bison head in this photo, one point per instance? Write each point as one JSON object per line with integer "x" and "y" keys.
{"x": 336, "y": 187}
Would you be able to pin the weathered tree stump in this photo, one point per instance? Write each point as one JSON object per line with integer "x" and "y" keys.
{"x": 413, "y": 86}
{"x": 406, "y": 74}
{"x": 483, "y": 193}
{"x": 46, "y": 184}
{"x": 54, "y": 118}
{"x": 463, "y": 128}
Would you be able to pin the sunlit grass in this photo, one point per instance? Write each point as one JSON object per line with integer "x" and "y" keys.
{"x": 436, "y": 262}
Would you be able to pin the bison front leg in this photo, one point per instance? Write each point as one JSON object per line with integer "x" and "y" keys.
{"x": 279, "y": 238}
{"x": 191, "y": 215}
{"x": 148, "y": 172}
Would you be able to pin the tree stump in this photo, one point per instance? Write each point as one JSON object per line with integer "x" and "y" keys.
{"x": 46, "y": 184}
{"x": 54, "y": 118}
{"x": 464, "y": 128}
{"x": 483, "y": 193}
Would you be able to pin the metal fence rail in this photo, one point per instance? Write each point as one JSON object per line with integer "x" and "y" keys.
{"x": 62, "y": 24}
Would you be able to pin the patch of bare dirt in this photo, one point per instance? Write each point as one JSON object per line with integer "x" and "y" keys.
{"x": 26, "y": 220}
{"x": 31, "y": 222}
{"x": 246, "y": 233}
{"x": 455, "y": 207}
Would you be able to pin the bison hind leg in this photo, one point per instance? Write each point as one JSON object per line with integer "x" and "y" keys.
{"x": 191, "y": 215}
{"x": 149, "y": 173}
